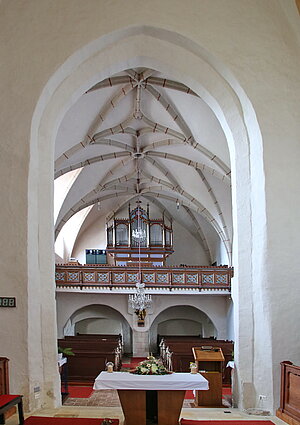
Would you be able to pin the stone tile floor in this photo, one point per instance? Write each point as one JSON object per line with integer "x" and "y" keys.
{"x": 106, "y": 398}
{"x": 109, "y": 398}
{"x": 106, "y": 404}
{"x": 116, "y": 412}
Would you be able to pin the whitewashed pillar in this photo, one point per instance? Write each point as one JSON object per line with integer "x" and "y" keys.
{"x": 140, "y": 343}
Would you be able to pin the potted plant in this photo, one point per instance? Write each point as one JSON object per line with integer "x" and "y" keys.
{"x": 65, "y": 351}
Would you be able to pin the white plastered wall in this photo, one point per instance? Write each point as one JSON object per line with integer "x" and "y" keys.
{"x": 265, "y": 60}
{"x": 187, "y": 249}
{"x": 93, "y": 315}
{"x": 187, "y": 320}
{"x": 98, "y": 326}
{"x": 75, "y": 307}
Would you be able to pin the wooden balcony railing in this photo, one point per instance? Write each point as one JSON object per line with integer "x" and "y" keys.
{"x": 200, "y": 277}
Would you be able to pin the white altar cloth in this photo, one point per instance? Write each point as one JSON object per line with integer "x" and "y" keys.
{"x": 130, "y": 381}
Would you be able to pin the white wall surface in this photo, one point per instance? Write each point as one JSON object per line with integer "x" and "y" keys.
{"x": 179, "y": 327}
{"x": 210, "y": 312}
{"x": 252, "y": 75}
{"x": 93, "y": 237}
{"x": 230, "y": 320}
{"x": 185, "y": 320}
{"x": 98, "y": 326}
{"x": 187, "y": 250}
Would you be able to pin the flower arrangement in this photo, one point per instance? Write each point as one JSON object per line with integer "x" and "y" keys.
{"x": 151, "y": 366}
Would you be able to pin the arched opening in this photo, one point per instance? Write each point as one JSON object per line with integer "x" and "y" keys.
{"x": 230, "y": 105}
{"x": 99, "y": 319}
{"x": 179, "y": 327}
{"x": 180, "y": 320}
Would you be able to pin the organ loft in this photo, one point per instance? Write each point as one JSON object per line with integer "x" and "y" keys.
{"x": 139, "y": 238}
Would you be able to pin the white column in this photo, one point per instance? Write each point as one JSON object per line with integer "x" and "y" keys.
{"x": 140, "y": 343}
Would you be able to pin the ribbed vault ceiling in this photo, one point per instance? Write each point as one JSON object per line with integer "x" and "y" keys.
{"x": 141, "y": 134}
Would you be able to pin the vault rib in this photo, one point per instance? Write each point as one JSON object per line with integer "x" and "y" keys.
{"x": 110, "y": 82}
{"x": 216, "y": 203}
{"x": 80, "y": 206}
{"x": 197, "y": 165}
{"x": 170, "y": 84}
{"x": 91, "y": 161}
{"x": 100, "y": 117}
{"x": 203, "y": 212}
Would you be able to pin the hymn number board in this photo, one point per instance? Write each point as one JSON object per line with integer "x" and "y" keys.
{"x": 7, "y": 301}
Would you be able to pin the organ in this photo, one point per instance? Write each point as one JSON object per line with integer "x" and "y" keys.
{"x": 139, "y": 238}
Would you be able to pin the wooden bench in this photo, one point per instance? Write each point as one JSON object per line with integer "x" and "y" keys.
{"x": 7, "y": 401}
{"x": 110, "y": 337}
{"x": 181, "y": 347}
{"x": 91, "y": 354}
{"x": 4, "y": 384}
{"x": 289, "y": 410}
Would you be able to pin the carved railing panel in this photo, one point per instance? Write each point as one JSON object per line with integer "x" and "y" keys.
{"x": 161, "y": 277}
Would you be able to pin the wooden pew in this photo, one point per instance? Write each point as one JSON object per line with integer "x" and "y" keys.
{"x": 111, "y": 337}
{"x": 289, "y": 410}
{"x": 181, "y": 347}
{"x": 90, "y": 356}
{"x": 4, "y": 383}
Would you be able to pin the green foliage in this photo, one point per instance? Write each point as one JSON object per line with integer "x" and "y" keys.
{"x": 66, "y": 351}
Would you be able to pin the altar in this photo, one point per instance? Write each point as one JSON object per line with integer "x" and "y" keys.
{"x": 158, "y": 398}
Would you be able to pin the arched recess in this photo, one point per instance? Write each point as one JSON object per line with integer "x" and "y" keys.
{"x": 99, "y": 319}
{"x": 159, "y": 49}
{"x": 181, "y": 320}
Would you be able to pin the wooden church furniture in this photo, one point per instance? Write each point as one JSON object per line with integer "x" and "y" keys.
{"x": 105, "y": 275}
{"x": 9, "y": 401}
{"x": 111, "y": 337}
{"x": 45, "y": 420}
{"x": 143, "y": 397}
{"x": 227, "y": 422}
{"x": 90, "y": 356}
{"x": 139, "y": 236}
{"x": 181, "y": 347}
{"x": 289, "y": 410}
{"x": 210, "y": 364}
{"x": 4, "y": 381}
{"x": 64, "y": 378}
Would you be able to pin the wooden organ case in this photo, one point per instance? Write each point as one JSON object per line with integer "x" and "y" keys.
{"x": 139, "y": 238}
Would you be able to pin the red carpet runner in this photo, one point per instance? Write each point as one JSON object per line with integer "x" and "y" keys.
{"x": 134, "y": 361}
{"x": 241, "y": 422}
{"x": 41, "y": 420}
{"x": 189, "y": 395}
{"x": 79, "y": 391}
{"x": 86, "y": 391}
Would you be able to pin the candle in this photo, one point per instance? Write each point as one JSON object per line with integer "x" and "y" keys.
{"x": 109, "y": 367}
{"x": 193, "y": 367}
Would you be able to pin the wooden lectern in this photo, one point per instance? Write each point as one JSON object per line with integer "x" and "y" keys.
{"x": 209, "y": 361}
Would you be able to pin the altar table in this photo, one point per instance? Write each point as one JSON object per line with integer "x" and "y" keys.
{"x": 155, "y": 397}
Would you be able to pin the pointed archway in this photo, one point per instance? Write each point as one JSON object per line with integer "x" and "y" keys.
{"x": 158, "y": 49}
